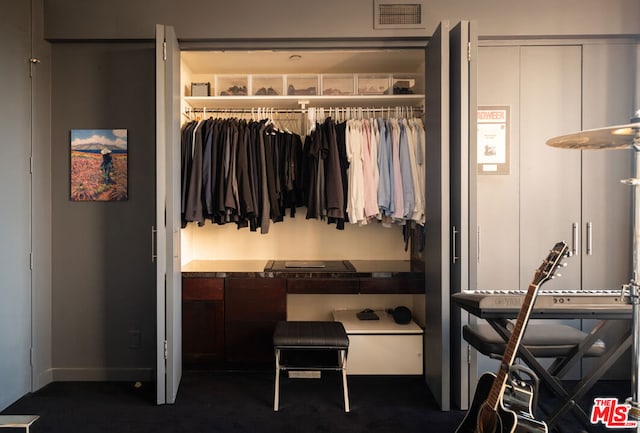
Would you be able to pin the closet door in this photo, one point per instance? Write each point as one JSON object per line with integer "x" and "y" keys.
{"x": 167, "y": 243}
{"x": 463, "y": 192}
{"x": 15, "y": 189}
{"x": 437, "y": 254}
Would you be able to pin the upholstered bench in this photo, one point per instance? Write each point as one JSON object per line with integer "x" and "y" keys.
{"x": 312, "y": 339}
{"x": 563, "y": 343}
{"x": 542, "y": 340}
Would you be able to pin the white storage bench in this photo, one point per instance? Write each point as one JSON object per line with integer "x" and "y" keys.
{"x": 382, "y": 346}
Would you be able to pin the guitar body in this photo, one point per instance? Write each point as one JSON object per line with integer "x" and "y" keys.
{"x": 513, "y": 414}
{"x": 502, "y": 403}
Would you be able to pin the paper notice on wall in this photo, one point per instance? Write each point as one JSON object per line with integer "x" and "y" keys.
{"x": 493, "y": 140}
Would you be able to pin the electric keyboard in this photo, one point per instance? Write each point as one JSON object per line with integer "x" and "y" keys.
{"x": 579, "y": 303}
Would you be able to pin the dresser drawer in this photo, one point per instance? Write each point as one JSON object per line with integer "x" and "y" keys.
{"x": 202, "y": 289}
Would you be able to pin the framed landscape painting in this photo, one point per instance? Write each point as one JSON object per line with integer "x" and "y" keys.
{"x": 99, "y": 165}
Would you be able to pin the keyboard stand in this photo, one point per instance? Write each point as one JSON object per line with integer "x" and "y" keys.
{"x": 551, "y": 376}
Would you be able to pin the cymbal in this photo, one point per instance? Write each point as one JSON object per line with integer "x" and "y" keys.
{"x": 612, "y": 137}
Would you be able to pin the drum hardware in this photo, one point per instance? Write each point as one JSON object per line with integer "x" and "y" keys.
{"x": 615, "y": 138}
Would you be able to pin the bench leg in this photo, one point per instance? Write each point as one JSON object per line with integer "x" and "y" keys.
{"x": 276, "y": 397}
{"x": 343, "y": 366}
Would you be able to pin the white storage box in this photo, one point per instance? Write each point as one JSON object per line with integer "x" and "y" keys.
{"x": 232, "y": 85}
{"x": 302, "y": 85}
{"x": 373, "y": 84}
{"x": 267, "y": 85}
{"x": 404, "y": 84}
{"x": 382, "y": 346}
{"x": 337, "y": 85}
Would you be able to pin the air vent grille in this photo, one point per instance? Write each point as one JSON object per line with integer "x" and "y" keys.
{"x": 396, "y": 15}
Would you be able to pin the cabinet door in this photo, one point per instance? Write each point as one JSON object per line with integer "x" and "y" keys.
{"x": 463, "y": 191}
{"x": 498, "y": 195}
{"x": 202, "y": 322}
{"x": 437, "y": 237}
{"x": 253, "y": 306}
{"x": 523, "y": 213}
{"x": 550, "y": 178}
{"x": 609, "y": 73}
{"x": 168, "y": 282}
{"x": 606, "y": 203}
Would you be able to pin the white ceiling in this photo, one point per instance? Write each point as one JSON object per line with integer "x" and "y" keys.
{"x": 295, "y": 62}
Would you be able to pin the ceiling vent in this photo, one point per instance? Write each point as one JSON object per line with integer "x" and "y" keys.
{"x": 398, "y": 14}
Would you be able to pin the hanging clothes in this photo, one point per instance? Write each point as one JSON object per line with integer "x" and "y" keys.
{"x": 333, "y": 170}
{"x": 355, "y": 201}
{"x": 314, "y": 181}
{"x": 370, "y": 168}
{"x": 385, "y": 170}
{"x": 238, "y": 171}
{"x": 398, "y": 195}
{"x": 251, "y": 173}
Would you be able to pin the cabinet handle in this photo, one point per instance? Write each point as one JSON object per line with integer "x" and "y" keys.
{"x": 454, "y": 237}
{"x": 575, "y": 239}
{"x": 589, "y": 238}
{"x": 478, "y": 243}
{"x": 154, "y": 256}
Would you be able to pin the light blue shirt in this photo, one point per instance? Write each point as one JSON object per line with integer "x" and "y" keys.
{"x": 408, "y": 194}
{"x": 385, "y": 180}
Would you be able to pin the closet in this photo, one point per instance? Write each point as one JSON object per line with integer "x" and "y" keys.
{"x": 286, "y": 132}
{"x": 289, "y": 85}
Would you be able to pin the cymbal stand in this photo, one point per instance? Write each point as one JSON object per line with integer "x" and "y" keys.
{"x": 633, "y": 289}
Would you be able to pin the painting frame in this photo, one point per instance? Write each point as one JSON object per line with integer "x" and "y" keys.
{"x": 99, "y": 168}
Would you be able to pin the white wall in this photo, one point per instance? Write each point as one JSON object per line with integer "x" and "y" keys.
{"x": 294, "y": 238}
{"x": 247, "y": 19}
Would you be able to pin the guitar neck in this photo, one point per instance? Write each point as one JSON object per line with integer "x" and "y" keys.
{"x": 511, "y": 349}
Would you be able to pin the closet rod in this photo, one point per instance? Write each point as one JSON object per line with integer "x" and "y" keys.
{"x": 298, "y": 110}
{"x": 246, "y": 110}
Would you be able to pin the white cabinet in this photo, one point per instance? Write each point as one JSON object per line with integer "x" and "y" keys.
{"x": 381, "y": 346}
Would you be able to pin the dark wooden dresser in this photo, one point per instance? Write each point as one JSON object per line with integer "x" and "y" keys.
{"x": 231, "y": 307}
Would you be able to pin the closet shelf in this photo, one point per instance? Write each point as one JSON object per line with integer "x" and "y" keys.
{"x": 300, "y": 101}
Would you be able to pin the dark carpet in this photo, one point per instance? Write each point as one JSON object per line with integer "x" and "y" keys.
{"x": 211, "y": 402}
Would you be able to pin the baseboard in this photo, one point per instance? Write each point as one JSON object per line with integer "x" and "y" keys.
{"x": 43, "y": 379}
{"x": 102, "y": 374}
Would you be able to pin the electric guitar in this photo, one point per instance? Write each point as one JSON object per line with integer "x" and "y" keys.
{"x": 501, "y": 407}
